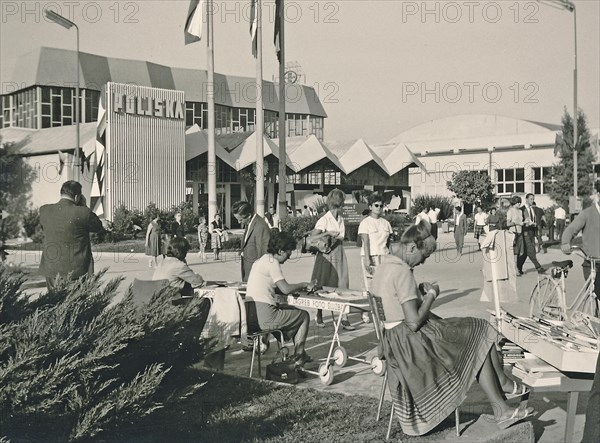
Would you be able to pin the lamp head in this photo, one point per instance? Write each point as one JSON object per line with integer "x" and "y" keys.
{"x": 59, "y": 19}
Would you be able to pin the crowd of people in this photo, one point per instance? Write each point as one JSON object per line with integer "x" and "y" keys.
{"x": 427, "y": 356}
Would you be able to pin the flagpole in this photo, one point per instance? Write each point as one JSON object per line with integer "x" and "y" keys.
{"x": 260, "y": 183}
{"x": 282, "y": 209}
{"x": 212, "y": 158}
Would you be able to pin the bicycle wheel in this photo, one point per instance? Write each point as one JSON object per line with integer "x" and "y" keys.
{"x": 546, "y": 300}
{"x": 586, "y": 302}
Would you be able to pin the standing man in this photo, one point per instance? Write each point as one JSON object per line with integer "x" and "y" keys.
{"x": 460, "y": 229}
{"x": 560, "y": 215}
{"x": 588, "y": 222}
{"x": 256, "y": 237}
{"x": 67, "y": 226}
{"x": 541, "y": 222}
{"x": 530, "y": 223}
{"x": 433, "y": 218}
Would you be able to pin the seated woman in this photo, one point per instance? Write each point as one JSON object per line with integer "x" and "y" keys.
{"x": 265, "y": 277}
{"x": 175, "y": 269}
{"x": 431, "y": 361}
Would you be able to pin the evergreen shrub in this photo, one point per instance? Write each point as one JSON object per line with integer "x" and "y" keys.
{"x": 73, "y": 365}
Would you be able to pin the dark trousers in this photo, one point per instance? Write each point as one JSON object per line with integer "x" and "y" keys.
{"x": 560, "y": 227}
{"x": 529, "y": 239}
{"x": 591, "y": 431}
{"x": 434, "y": 230}
{"x": 587, "y": 269}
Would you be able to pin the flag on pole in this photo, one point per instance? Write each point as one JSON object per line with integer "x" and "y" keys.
{"x": 253, "y": 27}
{"x": 193, "y": 24}
{"x": 278, "y": 18}
{"x": 559, "y": 146}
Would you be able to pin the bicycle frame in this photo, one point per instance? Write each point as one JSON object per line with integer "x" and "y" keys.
{"x": 584, "y": 294}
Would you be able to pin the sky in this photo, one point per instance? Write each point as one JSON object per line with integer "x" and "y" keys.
{"x": 379, "y": 67}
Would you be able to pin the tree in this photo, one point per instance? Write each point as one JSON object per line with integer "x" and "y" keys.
{"x": 473, "y": 187}
{"x": 16, "y": 177}
{"x": 560, "y": 185}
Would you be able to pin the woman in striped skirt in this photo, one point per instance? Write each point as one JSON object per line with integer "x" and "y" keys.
{"x": 431, "y": 361}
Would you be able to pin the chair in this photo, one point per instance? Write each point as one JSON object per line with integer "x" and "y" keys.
{"x": 255, "y": 334}
{"x": 144, "y": 290}
{"x": 376, "y": 305}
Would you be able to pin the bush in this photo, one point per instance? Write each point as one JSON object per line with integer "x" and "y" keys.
{"x": 433, "y": 201}
{"x": 73, "y": 364}
{"x": 298, "y": 226}
{"x": 31, "y": 222}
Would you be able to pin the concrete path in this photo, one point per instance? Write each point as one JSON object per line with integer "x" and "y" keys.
{"x": 460, "y": 281}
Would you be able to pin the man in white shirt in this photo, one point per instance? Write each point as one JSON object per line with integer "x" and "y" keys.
{"x": 433, "y": 218}
{"x": 423, "y": 215}
{"x": 560, "y": 216}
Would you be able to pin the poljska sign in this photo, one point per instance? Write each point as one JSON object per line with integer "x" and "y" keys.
{"x": 148, "y": 106}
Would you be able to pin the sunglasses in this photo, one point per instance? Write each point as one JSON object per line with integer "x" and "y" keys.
{"x": 377, "y": 205}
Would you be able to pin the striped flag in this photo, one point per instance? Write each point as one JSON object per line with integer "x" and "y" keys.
{"x": 193, "y": 24}
{"x": 253, "y": 27}
{"x": 278, "y": 18}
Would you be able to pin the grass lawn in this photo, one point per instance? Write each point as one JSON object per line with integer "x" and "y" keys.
{"x": 233, "y": 409}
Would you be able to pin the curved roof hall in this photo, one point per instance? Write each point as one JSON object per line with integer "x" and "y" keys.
{"x": 474, "y": 131}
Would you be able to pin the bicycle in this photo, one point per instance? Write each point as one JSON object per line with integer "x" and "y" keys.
{"x": 548, "y": 298}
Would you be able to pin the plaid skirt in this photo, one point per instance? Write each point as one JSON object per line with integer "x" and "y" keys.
{"x": 430, "y": 371}
{"x": 478, "y": 230}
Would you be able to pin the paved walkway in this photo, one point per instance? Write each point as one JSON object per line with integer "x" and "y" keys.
{"x": 460, "y": 281}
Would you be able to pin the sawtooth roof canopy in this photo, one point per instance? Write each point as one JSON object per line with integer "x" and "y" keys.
{"x": 239, "y": 151}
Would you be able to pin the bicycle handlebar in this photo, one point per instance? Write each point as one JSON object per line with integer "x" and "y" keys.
{"x": 584, "y": 254}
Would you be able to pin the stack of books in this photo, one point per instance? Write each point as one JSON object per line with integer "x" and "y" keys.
{"x": 511, "y": 353}
{"x": 536, "y": 372}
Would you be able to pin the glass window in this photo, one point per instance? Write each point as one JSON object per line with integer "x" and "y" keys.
{"x": 510, "y": 180}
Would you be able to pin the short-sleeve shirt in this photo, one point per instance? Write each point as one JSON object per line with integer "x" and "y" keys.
{"x": 395, "y": 283}
{"x": 329, "y": 223}
{"x": 265, "y": 273}
{"x": 481, "y": 219}
{"x": 378, "y": 230}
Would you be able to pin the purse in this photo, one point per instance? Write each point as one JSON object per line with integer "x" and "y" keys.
{"x": 283, "y": 371}
{"x": 316, "y": 243}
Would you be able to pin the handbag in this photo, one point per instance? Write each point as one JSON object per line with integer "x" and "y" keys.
{"x": 283, "y": 371}
{"x": 316, "y": 243}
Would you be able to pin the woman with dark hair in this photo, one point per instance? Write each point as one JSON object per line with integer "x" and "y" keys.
{"x": 175, "y": 269}
{"x": 265, "y": 278}
{"x": 331, "y": 269}
{"x": 153, "y": 240}
{"x": 432, "y": 362}
{"x": 217, "y": 232}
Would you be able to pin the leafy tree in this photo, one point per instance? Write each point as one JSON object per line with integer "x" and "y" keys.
{"x": 16, "y": 177}
{"x": 560, "y": 186}
{"x": 473, "y": 187}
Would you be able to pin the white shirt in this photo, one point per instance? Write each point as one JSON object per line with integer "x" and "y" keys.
{"x": 560, "y": 213}
{"x": 329, "y": 223}
{"x": 378, "y": 230}
{"x": 248, "y": 228}
{"x": 422, "y": 216}
{"x": 265, "y": 273}
{"x": 481, "y": 219}
{"x": 433, "y": 215}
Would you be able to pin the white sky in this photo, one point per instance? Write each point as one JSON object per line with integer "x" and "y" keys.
{"x": 370, "y": 61}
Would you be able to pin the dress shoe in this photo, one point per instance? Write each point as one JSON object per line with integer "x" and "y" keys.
{"x": 541, "y": 270}
{"x": 347, "y": 326}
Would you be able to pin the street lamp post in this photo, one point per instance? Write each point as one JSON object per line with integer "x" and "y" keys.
{"x": 570, "y": 6}
{"x": 68, "y": 24}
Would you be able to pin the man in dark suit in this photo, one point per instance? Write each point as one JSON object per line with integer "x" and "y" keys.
{"x": 540, "y": 216}
{"x": 256, "y": 237}
{"x": 530, "y": 225}
{"x": 67, "y": 226}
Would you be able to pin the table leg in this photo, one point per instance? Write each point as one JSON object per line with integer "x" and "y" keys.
{"x": 571, "y": 410}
